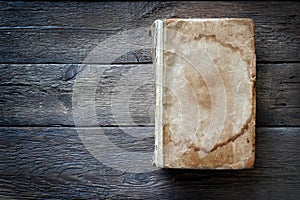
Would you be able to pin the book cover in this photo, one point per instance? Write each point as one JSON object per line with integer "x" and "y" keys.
{"x": 205, "y": 72}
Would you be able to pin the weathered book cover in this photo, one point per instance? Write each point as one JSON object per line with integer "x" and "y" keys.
{"x": 205, "y": 93}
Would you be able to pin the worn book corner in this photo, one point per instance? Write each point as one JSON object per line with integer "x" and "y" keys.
{"x": 205, "y": 71}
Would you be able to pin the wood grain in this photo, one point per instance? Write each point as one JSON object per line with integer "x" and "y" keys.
{"x": 65, "y": 32}
{"x": 47, "y": 162}
{"x": 54, "y": 15}
{"x": 53, "y": 163}
{"x": 41, "y": 94}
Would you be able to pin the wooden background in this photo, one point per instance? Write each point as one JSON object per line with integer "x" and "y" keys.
{"x": 42, "y": 48}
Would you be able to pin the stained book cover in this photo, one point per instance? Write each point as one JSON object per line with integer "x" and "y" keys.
{"x": 205, "y": 71}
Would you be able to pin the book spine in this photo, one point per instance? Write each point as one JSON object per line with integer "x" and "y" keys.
{"x": 157, "y": 35}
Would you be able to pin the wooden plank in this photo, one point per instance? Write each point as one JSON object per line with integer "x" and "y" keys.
{"x": 41, "y": 94}
{"x": 76, "y": 15}
{"x": 53, "y": 162}
{"x": 98, "y": 15}
{"x": 68, "y": 46}
{"x": 65, "y": 32}
{"x": 278, "y": 92}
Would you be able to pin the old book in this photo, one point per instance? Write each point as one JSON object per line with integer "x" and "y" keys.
{"x": 205, "y": 93}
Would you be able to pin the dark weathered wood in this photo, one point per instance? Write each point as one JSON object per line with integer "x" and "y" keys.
{"x": 65, "y": 32}
{"x": 278, "y": 92}
{"x": 54, "y": 15}
{"x": 53, "y": 163}
{"x": 41, "y": 95}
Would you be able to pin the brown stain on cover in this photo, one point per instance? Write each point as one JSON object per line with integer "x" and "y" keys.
{"x": 199, "y": 87}
{"x": 167, "y": 136}
{"x": 234, "y": 137}
{"x": 170, "y": 20}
